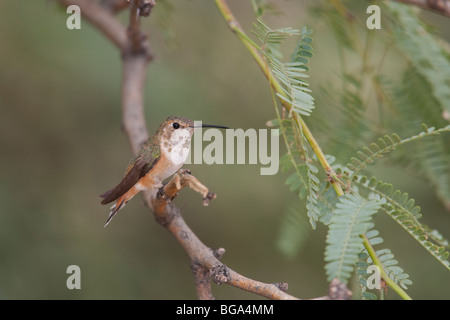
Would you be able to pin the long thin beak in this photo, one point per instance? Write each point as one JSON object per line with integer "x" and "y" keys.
{"x": 210, "y": 126}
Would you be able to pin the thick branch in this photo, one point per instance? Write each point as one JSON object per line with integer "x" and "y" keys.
{"x": 133, "y": 80}
{"x": 205, "y": 262}
{"x": 201, "y": 256}
{"x": 104, "y": 20}
{"x": 135, "y": 60}
{"x": 138, "y": 43}
{"x": 202, "y": 278}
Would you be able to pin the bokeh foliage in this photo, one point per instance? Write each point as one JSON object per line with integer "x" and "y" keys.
{"x": 62, "y": 145}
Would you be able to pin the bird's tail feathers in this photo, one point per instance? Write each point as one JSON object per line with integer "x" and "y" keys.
{"x": 115, "y": 208}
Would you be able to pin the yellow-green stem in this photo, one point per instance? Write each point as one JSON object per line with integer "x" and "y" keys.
{"x": 259, "y": 58}
{"x": 383, "y": 273}
{"x": 345, "y": 13}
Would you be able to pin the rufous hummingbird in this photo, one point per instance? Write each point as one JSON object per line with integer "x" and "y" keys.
{"x": 161, "y": 156}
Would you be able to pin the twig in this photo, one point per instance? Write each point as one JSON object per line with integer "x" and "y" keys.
{"x": 233, "y": 24}
{"x": 274, "y": 291}
{"x": 104, "y": 20}
{"x": 134, "y": 29}
{"x": 136, "y": 55}
{"x": 384, "y": 275}
{"x": 204, "y": 260}
{"x": 337, "y": 4}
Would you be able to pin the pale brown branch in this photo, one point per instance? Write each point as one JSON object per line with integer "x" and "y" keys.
{"x": 137, "y": 38}
{"x": 202, "y": 278}
{"x": 104, "y": 20}
{"x": 182, "y": 179}
{"x": 274, "y": 291}
{"x": 136, "y": 55}
{"x": 135, "y": 61}
{"x": 205, "y": 260}
{"x": 134, "y": 73}
{"x": 438, "y": 6}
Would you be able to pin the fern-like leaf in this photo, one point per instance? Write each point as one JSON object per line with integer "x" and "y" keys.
{"x": 345, "y": 116}
{"x": 361, "y": 269}
{"x": 386, "y": 144}
{"x": 261, "y": 6}
{"x": 327, "y": 202}
{"x": 304, "y": 179}
{"x": 350, "y": 219}
{"x": 430, "y": 156}
{"x": 423, "y": 50}
{"x": 388, "y": 261}
{"x": 294, "y": 230}
{"x": 291, "y": 74}
{"x": 403, "y": 210}
{"x": 295, "y": 94}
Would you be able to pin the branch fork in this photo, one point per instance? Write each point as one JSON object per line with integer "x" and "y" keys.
{"x": 136, "y": 54}
{"x": 205, "y": 263}
{"x": 183, "y": 178}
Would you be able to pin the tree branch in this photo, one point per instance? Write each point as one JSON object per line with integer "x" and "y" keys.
{"x": 274, "y": 291}
{"x": 205, "y": 261}
{"x": 202, "y": 278}
{"x": 136, "y": 55}
{"x": 104, "y": 20}
{"x": 235, "y": 27}
{"x": 134, "y": 71}
{"x": 134, "y": 29}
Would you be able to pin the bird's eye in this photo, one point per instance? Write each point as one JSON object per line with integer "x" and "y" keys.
{"x": 175, "y": 125}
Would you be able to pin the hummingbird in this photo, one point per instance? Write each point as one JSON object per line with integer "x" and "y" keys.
{"x": 160, "y": 156}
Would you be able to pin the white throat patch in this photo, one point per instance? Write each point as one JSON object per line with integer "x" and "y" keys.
{"x": 177, "y": 150}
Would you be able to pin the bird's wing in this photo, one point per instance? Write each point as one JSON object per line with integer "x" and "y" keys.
{"x": 142, "y": 164}
{"x": 139, "y": 170}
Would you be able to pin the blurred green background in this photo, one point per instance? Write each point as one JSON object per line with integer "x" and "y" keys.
{"x": 62, "y": 145}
